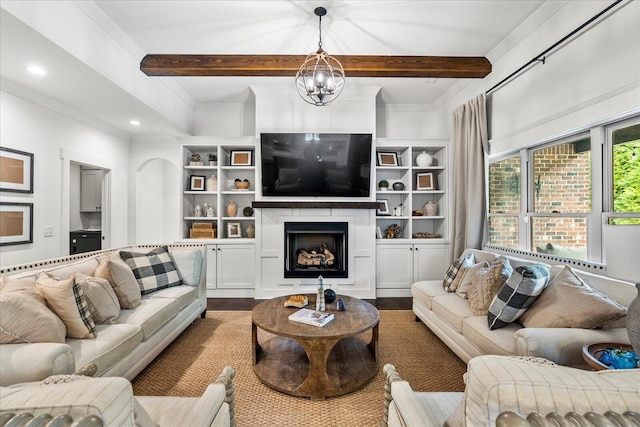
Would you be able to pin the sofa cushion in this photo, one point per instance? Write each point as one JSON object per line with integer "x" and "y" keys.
{"x": 153, "y": 270}
{"x": 102, "y": 300}
{"x": 183, "y": 295}
{"x": 425, "y": 291}
{"x": 66, "y": 299}
{"x": 499, "y": 341}
{"x": 568, "y": 302}
{"x": 150, "y": 315}
{"x": 113, "y": 343}
{"x": 25, "y": 317}
{"x": 496, "y": 384}
{"x": 517, "y": 294}
{"x": 465, "y": 277}
{"x": 188, "y": 262}
{"x": 452, "y": 309}
{"x": 486, "y": 283}
{"x": 121, "y": 278}
{"x": 453, "y": 269}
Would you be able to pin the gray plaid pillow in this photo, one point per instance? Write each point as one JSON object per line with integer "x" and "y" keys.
{"x": 517, "y": 294}
{"x": 154, "y": 270}
{"x": 453, "y": 269}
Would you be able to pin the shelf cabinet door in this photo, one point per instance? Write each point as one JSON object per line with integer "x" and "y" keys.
{"x": 394, "y": 266}
{"x": 429, "y": 262}
{"x": 91, "y": 190}
{"x": 212, "y": 267}
{"x": 235, "y": 266}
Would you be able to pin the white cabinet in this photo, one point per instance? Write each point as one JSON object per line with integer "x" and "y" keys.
{"x": 398, "y": 265}
{"x": 230, "y": 270}
{"x": 91, "y": 190}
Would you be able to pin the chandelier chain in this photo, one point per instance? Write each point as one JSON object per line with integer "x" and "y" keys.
{"x": 320, "y": 32}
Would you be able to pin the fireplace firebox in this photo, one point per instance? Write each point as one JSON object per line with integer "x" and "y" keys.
{"x": 316, "y": 248}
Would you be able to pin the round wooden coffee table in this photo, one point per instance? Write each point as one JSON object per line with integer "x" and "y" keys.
{"x": 310, "y": 361}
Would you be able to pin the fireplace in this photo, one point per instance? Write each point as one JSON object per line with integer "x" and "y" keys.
{"x": 315, "y": 249}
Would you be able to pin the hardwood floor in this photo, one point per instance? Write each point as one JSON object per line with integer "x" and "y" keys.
{"x": 247, "y": 304}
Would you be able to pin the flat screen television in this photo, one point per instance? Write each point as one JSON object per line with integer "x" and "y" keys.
{"x": 314, "y": 165}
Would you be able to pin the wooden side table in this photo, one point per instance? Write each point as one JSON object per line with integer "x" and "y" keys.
{"x": 591, "y": 353}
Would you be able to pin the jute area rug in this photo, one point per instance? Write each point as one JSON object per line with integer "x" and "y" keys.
{"x": 223, "y": 338}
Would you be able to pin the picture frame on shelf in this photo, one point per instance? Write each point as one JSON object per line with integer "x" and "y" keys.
{"x": 241, "y": 157}
{"x": 378, "y": 232}
{"x": 425, "y": 181}
{"x": 383, "y": 207}
{"x": 16, "y": 171}
{"x": 234, "y": 230}
{"x": 388, "y": 158}
{"x": 17, "y": 223}
{"x": 197, "y": 183}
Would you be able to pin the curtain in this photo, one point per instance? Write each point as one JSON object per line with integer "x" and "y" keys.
{"x": 469, "y": 146}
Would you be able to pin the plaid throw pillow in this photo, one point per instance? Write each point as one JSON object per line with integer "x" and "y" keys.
{"x": 517, "y": 294}
{"x": 154, "y": 270}
{"x": 453, "y": 269}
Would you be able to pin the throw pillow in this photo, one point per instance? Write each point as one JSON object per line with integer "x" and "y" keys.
{"x": 121, "y": 278}
{"x": 568, "y": 302}
{"x": 465, "y": 277}
{"x": 486, "y": 283}
{"x": 517, "y": 294}
{"x": 153, "y": 270}
{"x": 25, "y": 318}
{"x": 66, "y": 299}
{"x": 102, "y": 300}
{"x": 189, "y": 265}
{"x": 453, "y": 269}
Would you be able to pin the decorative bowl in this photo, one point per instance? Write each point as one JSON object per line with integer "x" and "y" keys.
{"x": 241, "y": 185}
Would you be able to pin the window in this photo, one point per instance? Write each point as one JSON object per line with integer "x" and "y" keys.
{"x": 561, "y": 198}
{"x": 555, "y": 197}
{"x": 504, "y": 202}
{"x": 626, "y": 173}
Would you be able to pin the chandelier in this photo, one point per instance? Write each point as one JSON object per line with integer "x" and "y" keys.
{"x": 320, "y": 79}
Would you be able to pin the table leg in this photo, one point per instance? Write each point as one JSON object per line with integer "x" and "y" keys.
{"x": 255, "y": 347}
{"x": 317, "y": 385}
{"x": 374, "y": 341}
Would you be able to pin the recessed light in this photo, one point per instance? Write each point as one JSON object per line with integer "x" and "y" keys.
{"x": 134, "y": 123}
{"x": 36, "y": 70}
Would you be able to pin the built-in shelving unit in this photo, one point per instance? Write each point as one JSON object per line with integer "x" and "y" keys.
{"x": 218, "y": 194}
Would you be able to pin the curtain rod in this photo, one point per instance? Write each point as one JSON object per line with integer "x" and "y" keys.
{"x": 541, "y": 58}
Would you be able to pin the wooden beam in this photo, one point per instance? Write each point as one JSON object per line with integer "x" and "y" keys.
{"x": 288, "y": 65}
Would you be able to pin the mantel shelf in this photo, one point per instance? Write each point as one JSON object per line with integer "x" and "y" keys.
{"x": 319, "y": 205}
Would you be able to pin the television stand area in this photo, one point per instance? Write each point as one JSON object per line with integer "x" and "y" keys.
{"x": 316, "y": 205}
{"x": 311, "y": 361}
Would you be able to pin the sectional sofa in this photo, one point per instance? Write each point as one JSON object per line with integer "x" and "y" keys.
{"x": 41, "y": 338}
{"x": 451, "y": 317}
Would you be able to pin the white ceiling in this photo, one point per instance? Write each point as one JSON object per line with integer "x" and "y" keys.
{"x": 378, "y": 27}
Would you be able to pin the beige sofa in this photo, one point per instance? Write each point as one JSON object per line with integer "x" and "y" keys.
{"x": 123, "y": 346}
{"x": 499, "y": 384}
{"x": 450, "y": 317}
{"x": 110, "y": 401}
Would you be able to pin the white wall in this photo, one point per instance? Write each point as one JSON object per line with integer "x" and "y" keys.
{"x": 32, "y": 128}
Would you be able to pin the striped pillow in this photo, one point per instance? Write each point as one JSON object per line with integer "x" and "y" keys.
{"x": 154, "y": 270}
{"x": 453, "y": 270}
{"x": 522, "y": 288}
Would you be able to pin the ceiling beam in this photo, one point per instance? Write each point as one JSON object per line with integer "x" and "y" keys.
{"x": 288, "y": 65}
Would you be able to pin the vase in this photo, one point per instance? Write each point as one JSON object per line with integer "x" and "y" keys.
{"x": 232, "y": 209}
{"x": 212, "y": 183}
{"x": 633, "y": 322}
{"x": 251, "y": 231}
{"x": 424, "y": 159}
{"x": 398, "y": 186}
{"x": 430, "y": 208}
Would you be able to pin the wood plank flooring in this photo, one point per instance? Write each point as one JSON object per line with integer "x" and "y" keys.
{"x": 247, "y": 304}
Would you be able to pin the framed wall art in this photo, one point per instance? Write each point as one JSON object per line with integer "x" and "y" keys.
{"x": 197, "y": 183}
{"x": 241, "y": 157}
{"x": 16, "y": 171}
{"x": 425, "y": 181}
{"x": 387, "y": 158}
{"x": 234, "y": 229}
{"x": 383, "y": 207}
{"x": 16, "y": 223}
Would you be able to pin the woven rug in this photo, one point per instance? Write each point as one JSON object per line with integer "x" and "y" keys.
{"x": 223, "y": 338}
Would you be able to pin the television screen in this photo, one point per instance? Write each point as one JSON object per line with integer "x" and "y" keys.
{"x": 316, "y": 164}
